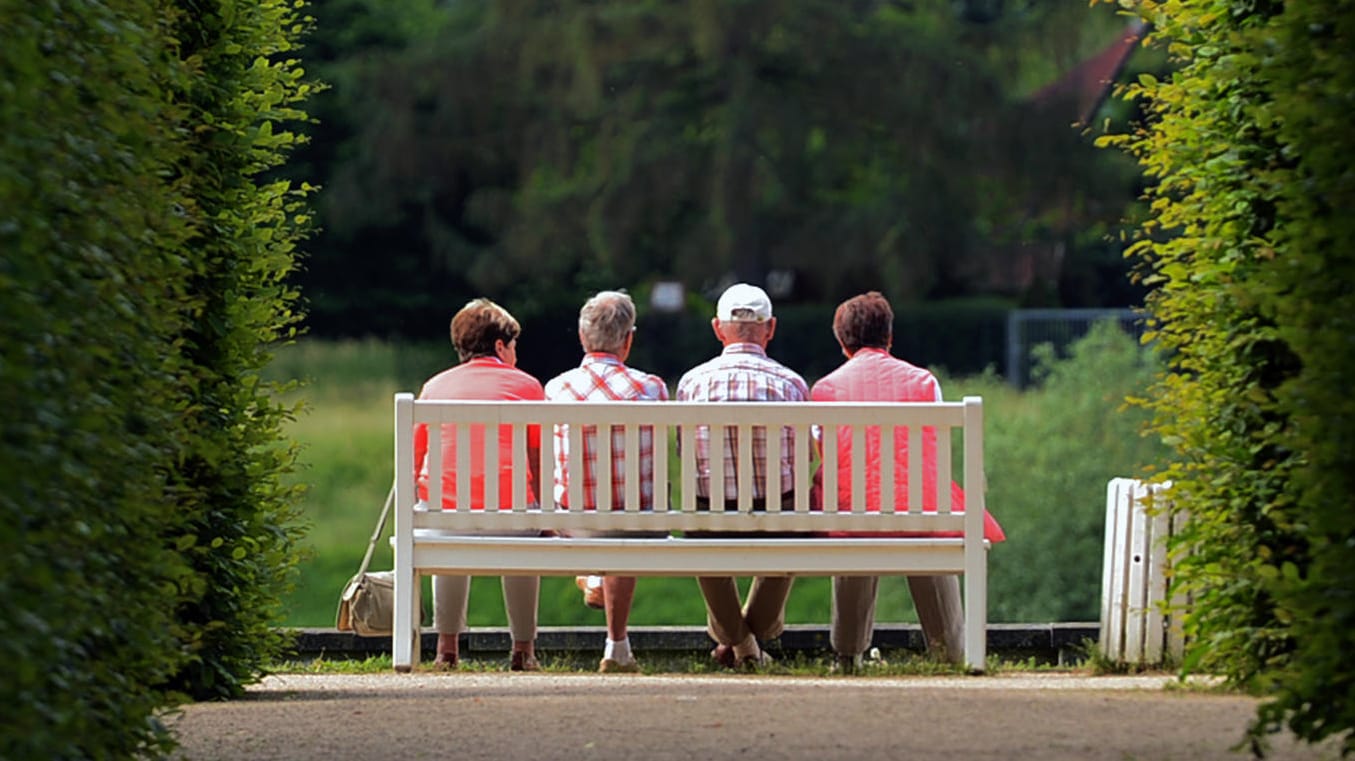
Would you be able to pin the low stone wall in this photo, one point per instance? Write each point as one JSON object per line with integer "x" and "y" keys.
{"x": 1055, "y": 643}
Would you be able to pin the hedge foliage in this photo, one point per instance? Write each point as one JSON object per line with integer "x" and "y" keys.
{"x": 145, "y": 534}
{"x": 1250, "y": 245}
{"x": 241, "y": 526}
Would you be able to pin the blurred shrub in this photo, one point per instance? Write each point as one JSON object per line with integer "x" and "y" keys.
{"x": 1050, "y": 452}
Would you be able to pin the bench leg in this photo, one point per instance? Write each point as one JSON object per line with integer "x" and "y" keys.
{"x": 976, "y": 610}
{"x": 405, "y": 626}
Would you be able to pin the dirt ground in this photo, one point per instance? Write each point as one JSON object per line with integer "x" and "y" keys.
{"x": 500, "y": 715}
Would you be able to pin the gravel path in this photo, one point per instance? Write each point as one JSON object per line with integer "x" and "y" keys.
{"x": 499, "y": 715}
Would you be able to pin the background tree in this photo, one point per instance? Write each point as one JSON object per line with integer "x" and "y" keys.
{"x": 535, "y": 151}
{"x": 1251, "y": 250}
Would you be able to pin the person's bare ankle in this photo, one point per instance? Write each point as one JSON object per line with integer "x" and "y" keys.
{"x": 748, "y": 648}
{"x": 447, "y": 650}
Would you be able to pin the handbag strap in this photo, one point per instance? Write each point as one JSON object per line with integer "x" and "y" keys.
{"x": 380, "y": 527}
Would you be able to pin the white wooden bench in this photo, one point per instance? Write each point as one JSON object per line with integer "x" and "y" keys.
{"x": 430, "y": 541}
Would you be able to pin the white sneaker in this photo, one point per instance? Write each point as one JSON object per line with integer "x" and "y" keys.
{"x": 610, "y": 666}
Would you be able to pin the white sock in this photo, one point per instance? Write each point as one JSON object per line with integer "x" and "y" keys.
{"x": 618, "y": 651}
{"x": 748, "y": 648}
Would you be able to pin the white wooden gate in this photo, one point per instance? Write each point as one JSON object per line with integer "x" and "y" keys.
{"x": 1137, "y": 627}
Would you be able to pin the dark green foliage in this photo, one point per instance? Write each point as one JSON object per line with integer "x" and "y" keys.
{"x": 91, "y": 280}
{"x": 536, "y": 152}
{"x": 1049, "y": 459}
{"x": 146, "y": 534}
{"x": 1251, "y": 247}
{"x": 240, "y": 532}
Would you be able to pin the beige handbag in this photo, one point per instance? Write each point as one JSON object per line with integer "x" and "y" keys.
{"x": 367, "y": 605}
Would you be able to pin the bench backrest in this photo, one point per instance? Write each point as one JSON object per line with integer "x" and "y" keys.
{"x": 674, "y": 425}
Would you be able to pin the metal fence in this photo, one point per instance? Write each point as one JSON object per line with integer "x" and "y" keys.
{"x": 1027, "y": 328}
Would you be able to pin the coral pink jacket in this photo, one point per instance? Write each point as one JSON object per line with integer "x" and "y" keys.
{"x": 873, "y": 375}
{"x": 483, "y": 378}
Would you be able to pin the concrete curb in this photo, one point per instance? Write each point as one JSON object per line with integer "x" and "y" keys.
{"x": 1053, "y": 643}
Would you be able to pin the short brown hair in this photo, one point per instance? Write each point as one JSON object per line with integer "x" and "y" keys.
{"x": 478, "y": 325}
{"x": 864, "y": 321}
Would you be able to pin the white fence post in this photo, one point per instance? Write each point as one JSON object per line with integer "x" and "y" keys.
{"x": 1136, "y": 625}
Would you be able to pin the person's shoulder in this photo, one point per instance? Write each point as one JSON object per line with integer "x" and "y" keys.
{"x": 439, "y": 384}
{"x": 650, "y": 379}
{"x": 526, "y": 380}
{"x": 790, "y": 374}
{"x": 558, "y": 383}
{"x": 826, "y": 387}
{"x": 697, "y": 371}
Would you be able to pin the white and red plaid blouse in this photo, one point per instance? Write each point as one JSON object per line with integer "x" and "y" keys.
{"x": 743, "y": 373}
{"x": 604, "y": 377}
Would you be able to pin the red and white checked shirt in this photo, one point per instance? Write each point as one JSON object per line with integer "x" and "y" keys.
{"x": 743, "y": 373}
{"x": 604, "y": 377}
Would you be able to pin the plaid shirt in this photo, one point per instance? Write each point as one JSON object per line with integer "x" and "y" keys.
{"x": 603, "y": 377}
{"x": 743, "y": 373}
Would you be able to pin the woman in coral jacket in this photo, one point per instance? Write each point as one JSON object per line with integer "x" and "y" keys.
{"x": 863, "y": 326}
{"x": 485, "y": 336}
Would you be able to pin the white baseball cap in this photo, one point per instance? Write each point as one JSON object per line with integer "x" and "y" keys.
{"x": 742, "y": 302}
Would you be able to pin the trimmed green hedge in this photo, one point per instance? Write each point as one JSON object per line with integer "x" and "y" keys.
{"x": 1250, "y": 246}
{"x": 139, "y": 283}
{"x": 90, "y": 285}
{"x": 240, "y": 532}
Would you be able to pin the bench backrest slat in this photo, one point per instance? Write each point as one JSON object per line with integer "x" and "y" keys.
{"x": 915, "y": 433}
{"x": 635, "y": 425}
{"x": 889, "y": 441}
{"x": 859, "y": 473}
{"x": 575, "y": 463}
{"x": 803, "y": 470}
{"x": 830, "y": 470}
{"x": 942, "y": 466}
{"x": 744, "y": 434}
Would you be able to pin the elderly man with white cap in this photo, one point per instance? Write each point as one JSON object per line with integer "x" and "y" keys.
{"x": 743, "y": 372}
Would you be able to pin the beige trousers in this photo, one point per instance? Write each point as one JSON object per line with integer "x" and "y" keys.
{"x": 937, "y": 599}
{"x": 451, "y": 596}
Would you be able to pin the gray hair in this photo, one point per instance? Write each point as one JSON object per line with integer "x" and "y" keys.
{"x": 605, "y": 321}
{"x": 747, "y": 332}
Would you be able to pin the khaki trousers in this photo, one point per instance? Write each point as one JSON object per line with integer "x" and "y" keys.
{"x": 763, "y": 615}
{"x": 451, "y": 596}
{"x": 937, "y": 599}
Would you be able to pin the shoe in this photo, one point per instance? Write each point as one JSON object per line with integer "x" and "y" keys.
{"x": 847, "y": 665}
{"x": 520, "y": 661}
{"x": 446, "y": 662}
{"x": 723, "y": 655}
{"x": 592, "y": 595}
{"x": 610, "y": 666}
